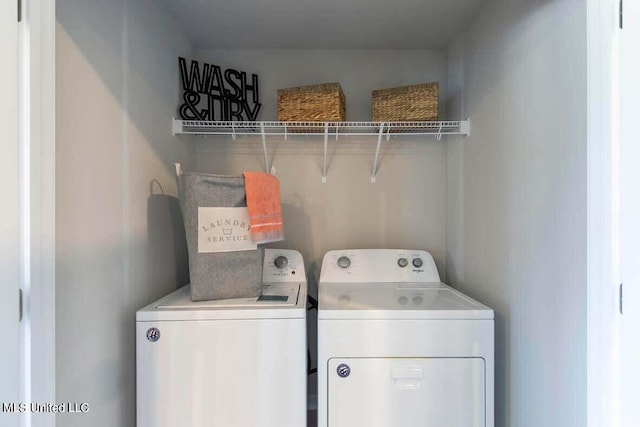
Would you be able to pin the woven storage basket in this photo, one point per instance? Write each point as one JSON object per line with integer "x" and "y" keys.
{"x": 315, "y": 103}
{"x": 416, "y": 103}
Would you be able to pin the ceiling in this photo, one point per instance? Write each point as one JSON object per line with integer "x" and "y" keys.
{"x": 320, "y": 24}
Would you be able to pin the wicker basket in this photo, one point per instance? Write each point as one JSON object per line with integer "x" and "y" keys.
{"x": 417, "y": 103}
{"x": 316, "y": 103}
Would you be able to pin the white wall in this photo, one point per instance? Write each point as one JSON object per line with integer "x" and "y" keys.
{"x": 116, "y": 92}
{"x": 516, "y": 200}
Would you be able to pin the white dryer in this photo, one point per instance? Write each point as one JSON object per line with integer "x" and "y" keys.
{"x": 237, "y": 362}
{"x": 398, "y": 348}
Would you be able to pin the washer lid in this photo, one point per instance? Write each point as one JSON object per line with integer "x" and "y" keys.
{"x": 278, "y": 301}
{"x": 397, "y": 301}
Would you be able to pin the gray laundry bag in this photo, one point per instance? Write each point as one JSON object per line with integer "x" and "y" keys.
{"x": 217, "y": 275}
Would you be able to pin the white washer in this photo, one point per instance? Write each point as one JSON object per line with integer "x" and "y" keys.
{"x": 398, "y": 348}
{"x": 236, "y": 362}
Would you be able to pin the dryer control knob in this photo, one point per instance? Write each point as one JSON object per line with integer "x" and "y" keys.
{"x": 417, "y": 262}
{"x": 344, "y": 262}
{"x": 402, "y": 262}
{"x": 281, "y": 262}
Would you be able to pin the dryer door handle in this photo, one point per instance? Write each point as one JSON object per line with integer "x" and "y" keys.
{"x": 409, "y": 373}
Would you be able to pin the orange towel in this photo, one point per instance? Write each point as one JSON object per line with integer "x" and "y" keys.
{"x": 263, "y": 203}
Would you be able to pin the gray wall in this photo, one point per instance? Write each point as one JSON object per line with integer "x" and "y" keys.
{"x": 516, "y": 200}
{"x": 405, "y": 208}
{"x": 116, "y": 92}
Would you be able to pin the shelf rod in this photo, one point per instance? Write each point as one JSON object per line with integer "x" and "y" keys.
{"x": 264, "y": 148}
{"x": 374, "y": 171}
{"x": 326, "y": 146}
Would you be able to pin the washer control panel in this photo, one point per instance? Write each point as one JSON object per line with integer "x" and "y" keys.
{"x": 379, "y": 265}
{"x": 283, "y": 265}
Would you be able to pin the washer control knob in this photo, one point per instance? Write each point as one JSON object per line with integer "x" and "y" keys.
{"x": 403, "y": 300}
{"x": 417, "y": 262}
{"x": 343, "y": 370}
{"x": 281, "y": 262}
{"x": 417, "y": 300}
{"x": 402, "y": 262}
{"x": 344, "y": 262}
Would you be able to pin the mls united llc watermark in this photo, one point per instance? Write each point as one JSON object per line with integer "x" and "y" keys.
{"x": 51, "y": 408}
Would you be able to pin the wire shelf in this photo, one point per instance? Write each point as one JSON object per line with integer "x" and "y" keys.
{"x": 380, "y": 130}
{"x": 199, "y": 127}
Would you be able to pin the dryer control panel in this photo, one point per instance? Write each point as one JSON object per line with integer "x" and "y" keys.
{"x": 379, "y": 265}
{"x": 283, "y": 265}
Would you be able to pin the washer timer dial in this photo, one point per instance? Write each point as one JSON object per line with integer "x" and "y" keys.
{"x": 281, "y": 262}
{"x": 344, "y": 262}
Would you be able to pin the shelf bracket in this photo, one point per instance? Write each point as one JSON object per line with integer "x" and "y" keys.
{"x": 264, "y": 148}
{"x": 374, "y": 170}
{"x": 465, "y": 127}
{"x": 326, "y": 146}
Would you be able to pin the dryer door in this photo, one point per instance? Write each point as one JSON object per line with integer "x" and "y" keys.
{"x": 383, "y": 392}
